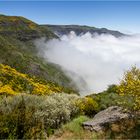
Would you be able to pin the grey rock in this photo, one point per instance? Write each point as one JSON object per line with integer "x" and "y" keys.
{"x": 104, "y": 119}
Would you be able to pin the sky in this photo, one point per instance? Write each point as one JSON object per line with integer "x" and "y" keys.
{"x": 116, "y": 15}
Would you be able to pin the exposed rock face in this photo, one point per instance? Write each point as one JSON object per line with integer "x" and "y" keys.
{"x": 114, "y": 122}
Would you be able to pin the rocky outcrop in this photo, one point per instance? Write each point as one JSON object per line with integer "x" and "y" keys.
{"x": 115, "y": 122}
{"x": 108, "y": 116}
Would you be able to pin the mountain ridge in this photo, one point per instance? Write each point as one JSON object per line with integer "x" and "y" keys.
{"x": 81, "y": 29}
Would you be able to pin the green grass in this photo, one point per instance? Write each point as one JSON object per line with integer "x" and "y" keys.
{"x": 75, "y": 125}
{"x": 74, "y": 130}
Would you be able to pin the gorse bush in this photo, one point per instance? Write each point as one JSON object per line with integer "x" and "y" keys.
{"x": 88, "y": 106}
{"x": 32, "y": 116}
{"x": 130, "y": 85}
{"x": 13, "y": 82}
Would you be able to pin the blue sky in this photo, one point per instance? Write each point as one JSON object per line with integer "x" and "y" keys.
{"x": 117, "y": 15}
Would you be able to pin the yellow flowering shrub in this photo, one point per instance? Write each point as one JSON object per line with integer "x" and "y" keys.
{"x": 88, "y": 105}
{"x": 130, "y": 84}
{"x": 12, "y": 82}
{"x": 40, "y": 88}
{"x": 6, "y": 89}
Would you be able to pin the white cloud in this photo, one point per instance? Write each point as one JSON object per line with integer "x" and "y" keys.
{"x": 99, "y": 59}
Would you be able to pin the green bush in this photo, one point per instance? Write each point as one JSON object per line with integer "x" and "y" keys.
{"x": 110, "y": 97}
{"x": 88, "y": 106}
{"x": 32, "y": 116}
{"x": 130, "y": 85}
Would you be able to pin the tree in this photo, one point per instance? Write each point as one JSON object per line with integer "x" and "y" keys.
{"x": 130, "y": 84}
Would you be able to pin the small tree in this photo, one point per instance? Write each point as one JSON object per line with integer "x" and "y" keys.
{"x": 130, "y": 84}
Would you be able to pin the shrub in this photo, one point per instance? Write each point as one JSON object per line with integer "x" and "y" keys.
{"x": 130, "y": 85}
{"x": 13, "y": 82}
{"x": 88, "y": 106}
{"x": 112, "y": 88}
{"x": 6, "y": 89}
{"x": 110, "y": 97}
{"x": 32, "y": 116}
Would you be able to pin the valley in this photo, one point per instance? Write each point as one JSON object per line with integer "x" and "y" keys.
{"x": 40, "y": 100}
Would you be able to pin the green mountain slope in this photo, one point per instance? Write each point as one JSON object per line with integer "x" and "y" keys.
{"x": 17, "y": 49}
{"x": 79, "y": 29}
{"x": 22, "y": 28}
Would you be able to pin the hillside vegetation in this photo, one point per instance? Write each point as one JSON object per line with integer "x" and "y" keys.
{"x": 34, "y": 103}
{"x": 13, "y": 82}
{"x": 18, "y": 50}
{"x": 22, "y": 28}
{"x": 27, "y": 116}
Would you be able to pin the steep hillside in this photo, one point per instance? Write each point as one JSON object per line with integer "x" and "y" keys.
{"x": 22, "y": 28}
{"x": 65, "y": 29}
{"x": 13, "y": 82}
{"x": 17, "y": 49}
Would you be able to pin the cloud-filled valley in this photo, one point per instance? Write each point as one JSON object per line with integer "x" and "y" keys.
{"x": 100, "y": 60}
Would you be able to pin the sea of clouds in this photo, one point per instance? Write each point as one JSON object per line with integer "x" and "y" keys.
{"x": 100, "y": 60}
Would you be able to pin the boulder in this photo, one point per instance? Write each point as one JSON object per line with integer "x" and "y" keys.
{"x": 113, "y": 118}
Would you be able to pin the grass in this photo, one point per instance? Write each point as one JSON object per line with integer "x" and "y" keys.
{"x": 74, "y": 130}
{"x": 75, "y": 125}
